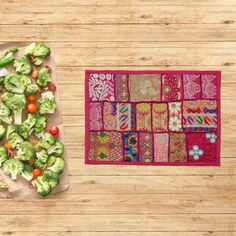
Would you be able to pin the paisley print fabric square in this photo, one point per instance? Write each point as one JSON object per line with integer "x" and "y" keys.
{"x": 152, "y": 117}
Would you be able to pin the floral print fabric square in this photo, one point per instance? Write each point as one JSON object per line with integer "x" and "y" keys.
{"x": 152, "y": 117}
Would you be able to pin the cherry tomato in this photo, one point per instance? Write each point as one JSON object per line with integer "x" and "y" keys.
{"x": 51, "y": 87}
{"x": 54, "y": 130}
{"x": 36, "y": 172}
{"x": 7, "y": 145}
{"x": 31, "y": 107}
{"x": 31, "y": 98}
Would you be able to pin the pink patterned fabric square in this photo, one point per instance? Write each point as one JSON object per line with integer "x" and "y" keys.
{"x": 192, "y": 86}
{"x": 95, "y": 116}
{"x": 209, "y": 86}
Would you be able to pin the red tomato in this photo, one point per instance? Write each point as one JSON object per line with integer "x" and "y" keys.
{"x": 31, "y": 107}
{"x": 54, "y": 130}
{"x": 36, "y": 172}
{"x": 31, "y": 98}
{"x": 51, "y": 87}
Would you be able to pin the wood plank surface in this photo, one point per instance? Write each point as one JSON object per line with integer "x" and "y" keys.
{"x": 137, "y": 34}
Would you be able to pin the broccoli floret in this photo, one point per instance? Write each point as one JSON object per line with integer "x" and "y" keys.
{"x": 43, "y": 187}
{"x": 3, "y": 155}
{"x": 26, "y": 151}
{"x": 44, "y": 77}
{"x": 13, "y": 167}
{"x": 16, "y": 83}
{"x": 47, "y": 103}
{"x": 38, "y": 164}
{"x": 2, "y": 132}
{"x": 41, "y": 50}
{"x": 57, "y": 149}
{"x": 5, "y": 114}
{"x": 42, "y": 156}
{"x": 26, "y": 128}
{"x": 23, "y": 66}
{"x": 31, "y": 89}
{"x": 29, "y": 50}
{"x": 58, "y": 166}
{"x": 10, "y": 129}
{"x": 47, "y": 141}
{"x": 15, "y": 140}
{"x": 40, "y": 124}
{"x": 37, "y": 61}
{"x": 23, "y": 131}
{"x": 27, "y": 172}
{"x": 16, "y": 102}
{"x": 51, "y": 160}
{"x": 52, "y": 178}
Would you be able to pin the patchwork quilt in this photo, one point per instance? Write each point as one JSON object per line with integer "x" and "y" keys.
{"x": 152, "y": 117}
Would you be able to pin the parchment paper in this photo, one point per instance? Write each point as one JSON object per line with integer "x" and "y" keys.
{"x": 20, "y": 188}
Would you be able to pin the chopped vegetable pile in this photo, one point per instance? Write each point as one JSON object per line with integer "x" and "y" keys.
{"x": 28, "y": 150}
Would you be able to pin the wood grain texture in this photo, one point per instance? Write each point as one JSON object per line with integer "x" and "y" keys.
{"x": 134, "y": 34}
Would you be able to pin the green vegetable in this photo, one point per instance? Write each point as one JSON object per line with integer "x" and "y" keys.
{"x": 5, "y": 114}
{"x": 10, "y": 129}
{"x": 16, "y": 83}
{"x": 23, "y": 66}
{"x": 9, "y": 51}
{"x": 38, "y": 164}
{"x": 16, "y": 102}
{"x": 29, "y": 50}
{"x": 13, "y": 167}
{"x": 47, "y": 103}
{"x": 26, "y": 128}
{"x": 3, "y": 155}
{"x": 31, "y": 89}
{"x": 57, "y": 149}
{"x": 44, "y": 77}
{"x": 47, "y": 141}
{"x": 40, "y": 124}
{"x": 58, "y": 166}
{"x": 6, "y": 61}
{"x": 37, "y": 61}
{"x": 15, "y": 140}
{"x": 26, "y": 151}
{"x": 43, "y": 187}
{"x": 42, "y": 156}
{"x": 52, "y": 178}
{"x": 41, "y": 50}
{"x": 27, "y": 172}
{"x": 51, "y": 160}
{"x": 2, "y": 132}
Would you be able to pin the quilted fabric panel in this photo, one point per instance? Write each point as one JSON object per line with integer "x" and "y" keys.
{"x": 152, "y": 117}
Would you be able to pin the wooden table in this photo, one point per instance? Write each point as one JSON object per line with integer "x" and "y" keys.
{"x": 130, "y": 34}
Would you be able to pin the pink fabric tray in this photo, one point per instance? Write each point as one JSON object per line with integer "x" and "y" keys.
{"x": 152, "y": 117}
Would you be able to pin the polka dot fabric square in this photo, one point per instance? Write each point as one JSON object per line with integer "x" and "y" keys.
{"x": 152, "y": 117}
